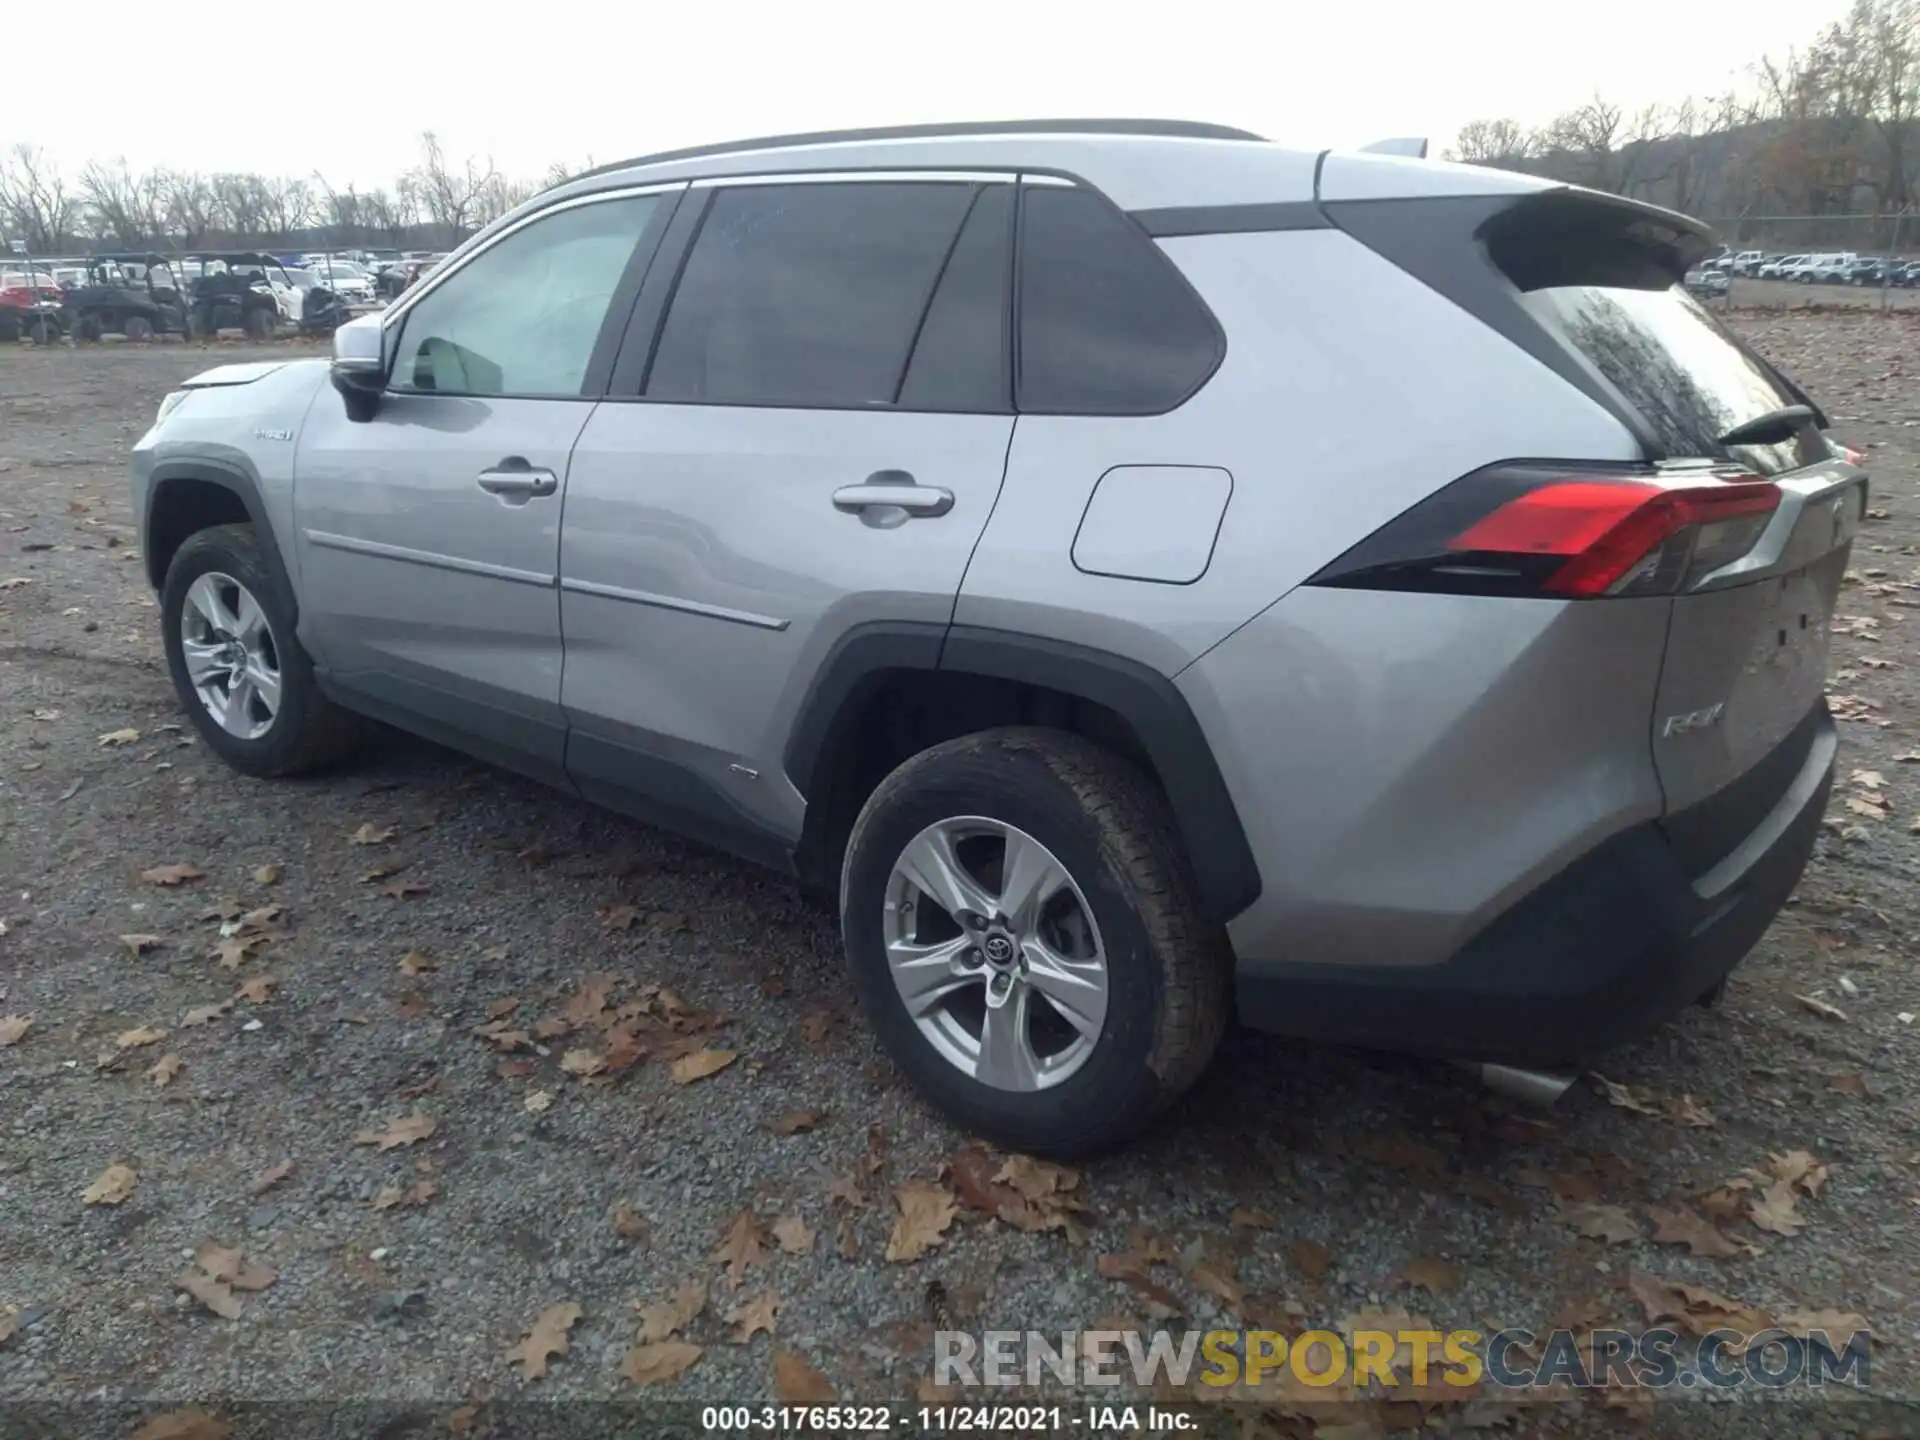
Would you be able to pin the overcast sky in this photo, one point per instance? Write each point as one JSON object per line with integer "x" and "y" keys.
{"x": 345, "y": 88}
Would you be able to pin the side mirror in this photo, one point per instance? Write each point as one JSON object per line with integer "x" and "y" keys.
{"x": 359, "y": 368}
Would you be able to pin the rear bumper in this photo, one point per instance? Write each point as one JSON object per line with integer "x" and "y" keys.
{"x": 1620, "y": 940}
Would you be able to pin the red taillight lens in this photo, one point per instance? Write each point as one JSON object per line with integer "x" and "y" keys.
{"x": 1575, "y": 532}
{"x": 1606, "y": 529}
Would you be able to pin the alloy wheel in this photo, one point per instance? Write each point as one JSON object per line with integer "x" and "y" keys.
{"x": 232, "y": 658}
{"x": 995, "y": 953}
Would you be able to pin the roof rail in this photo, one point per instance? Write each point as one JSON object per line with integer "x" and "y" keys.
{"x": 1413, "y": 146}
{"x": 1176, "y": 129}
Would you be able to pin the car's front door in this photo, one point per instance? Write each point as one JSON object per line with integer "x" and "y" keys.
{"x": 429, "y": 535}
{"x": 816, "y": 446}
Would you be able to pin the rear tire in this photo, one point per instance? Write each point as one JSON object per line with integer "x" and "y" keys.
{"x": 90, "y": 328}
{"x": 260, "y": 323}
{"x": 306, "y": 730}
{"x": 1127, "y": 911}
{"x": 139, "y": 329}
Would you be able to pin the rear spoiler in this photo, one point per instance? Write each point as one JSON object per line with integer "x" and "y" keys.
{"x": 1413, "y": 147}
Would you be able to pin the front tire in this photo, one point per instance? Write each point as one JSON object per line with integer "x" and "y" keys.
{"x": 236, "y": 663}
{"x": 139, "y": 329}
{"x": 1024, "y": 937}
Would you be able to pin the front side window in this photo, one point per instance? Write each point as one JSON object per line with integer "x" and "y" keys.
{"x": 522, "y": 317}
{"x": 806, "y": 294}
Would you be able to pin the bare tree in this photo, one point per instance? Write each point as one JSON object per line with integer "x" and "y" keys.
{"x": 1503, "y": 144}
{"x": 286, "y": 205}
{"x": 34, "y": 199}
{"x": 124, "y": 205}
{"x": 192, "y": 210}
{"x": 451, "y": 199}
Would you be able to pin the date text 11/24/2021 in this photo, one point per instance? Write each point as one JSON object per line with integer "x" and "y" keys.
{"x": 1088, "y": 1420}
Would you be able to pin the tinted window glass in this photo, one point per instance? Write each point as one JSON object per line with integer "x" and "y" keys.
{"x": 805, "y": 294}
{"x": 960, "y": 360}
{"x": 522, "y": 318}
{"x": 1107, "y": 327}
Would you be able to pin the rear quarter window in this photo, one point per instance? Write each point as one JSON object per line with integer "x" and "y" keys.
{"x": 1107, "y": 325}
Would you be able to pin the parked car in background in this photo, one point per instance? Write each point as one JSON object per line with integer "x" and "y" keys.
{"x": 348, "y": 279}
{"x": 1748, "y": 262}
{"x": 982, "y": 650}
{"x": 1870, "y": 270}
{"x": 245, "y": 289}
{"x": 31, "y": 305}
{"x": 1776, "y": 267}
{"x": 1907, "y": 275}
{"x": 1713, "y": 284}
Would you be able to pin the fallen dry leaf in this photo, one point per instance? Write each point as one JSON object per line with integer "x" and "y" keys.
{"x": 1820, "y": 1007}
{"x": 173, "y": 874}
{"x": 1310, "y": 1258}
{"x": 141, "y": 944}
{"x": 414, "y": 963}
{"x": 165, "y": 1069}
{"x": 1800, "y": 1169}
{"x": 628, "y": 1223}
{"x": 1250, "y": 1220}
{"x": 1691, "y": 1113}
{"x": 583, "y": 1062}
{"x": 665, "y": 1318}
{"x": 204, "y": 1014}
{"x": 228, "y": 1264}
{"x": 404, "y": 889}
{"x": 538, "y": 1102}
{"x": 1837, "y": 1324}
{"x": 699, "y": 1065}
{"x": 113, "y": 739}
{"x": 741, "y": 1247}
{"x": 798, "y": 1383}
{"x": 1850, "y": 1085}
{"x": 371, "y": 834}
{"x": 1436, "y": 1277}
{"x": 136, "y": 1038}
{"x": 650, "y": 1364}
{"x": 794, "y": 1121}
{"x": 13, "y": 1029}
{"x": 111, "y": 1187}
{"x": 792, "y": 1235}
{"x": 216, "y": 1295}
{"x": 1774, "y": 1209}
{"x": 1684, "y": 1227}
{"x": 1627, "y": 1097}
{"x": 189, "y": 1424}
{"x": 1610, "y": 1224}
{"x": 407, "y": 1130}
{"x": 1701, "y": 1310}
{"x": 267, "y": 875}
{"x": 756, "y": 1316}
{"x": 256, "y": 989}
{"x": 272, "y": 1176}
{"x": 545, "y": 1339}
{"x": 925, "y": 1213}
{"x": 393, "y": 1197}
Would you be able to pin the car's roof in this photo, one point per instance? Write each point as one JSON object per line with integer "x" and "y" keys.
{"x": 1139, "y": 164}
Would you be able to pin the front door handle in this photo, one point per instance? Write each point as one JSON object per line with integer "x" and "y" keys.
{"x": 885, "y": 492}
{"x": 517, "y": 482}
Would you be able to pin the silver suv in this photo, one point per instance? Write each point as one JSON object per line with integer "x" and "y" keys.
{"x": 1146, "y": 574}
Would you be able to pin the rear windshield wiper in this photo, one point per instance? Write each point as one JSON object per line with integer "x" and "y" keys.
{"x": 1770, "y": 428}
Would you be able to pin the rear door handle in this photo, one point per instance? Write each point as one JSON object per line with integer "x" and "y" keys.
{"x": 892, "y": 490}
{"x": 516, "y": 482}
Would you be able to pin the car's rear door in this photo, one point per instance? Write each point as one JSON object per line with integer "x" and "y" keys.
{"x": 811, "y": 443}
{"x": 429, "y": 535}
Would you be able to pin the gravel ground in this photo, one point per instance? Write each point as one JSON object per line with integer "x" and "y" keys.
{"x": 1297, "y": 1186}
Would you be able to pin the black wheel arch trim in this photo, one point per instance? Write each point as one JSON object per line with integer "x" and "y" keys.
{"x": 1216, "y": 843}
{"x": 244, "y": 488}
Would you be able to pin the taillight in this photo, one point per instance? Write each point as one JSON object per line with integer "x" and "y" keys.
{"x": 1564, "y": 530}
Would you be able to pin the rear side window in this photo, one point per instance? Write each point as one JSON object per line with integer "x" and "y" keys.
{"x": 1107, "y": 325}
{"x": 960, "y": 359}
{"x": 807, "y": 295}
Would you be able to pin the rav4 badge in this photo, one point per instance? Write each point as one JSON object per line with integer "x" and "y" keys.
{"x": 1693, "y": 720}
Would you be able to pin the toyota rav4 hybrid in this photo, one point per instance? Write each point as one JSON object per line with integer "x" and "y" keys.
{"x": 1144, "y": 574}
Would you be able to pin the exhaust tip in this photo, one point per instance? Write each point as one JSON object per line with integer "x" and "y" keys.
{"x": 1530, "y": 1087}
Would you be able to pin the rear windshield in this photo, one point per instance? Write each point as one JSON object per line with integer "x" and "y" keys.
{"x": 1602, "y": 280}
{"x": 1677, "y": 365}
